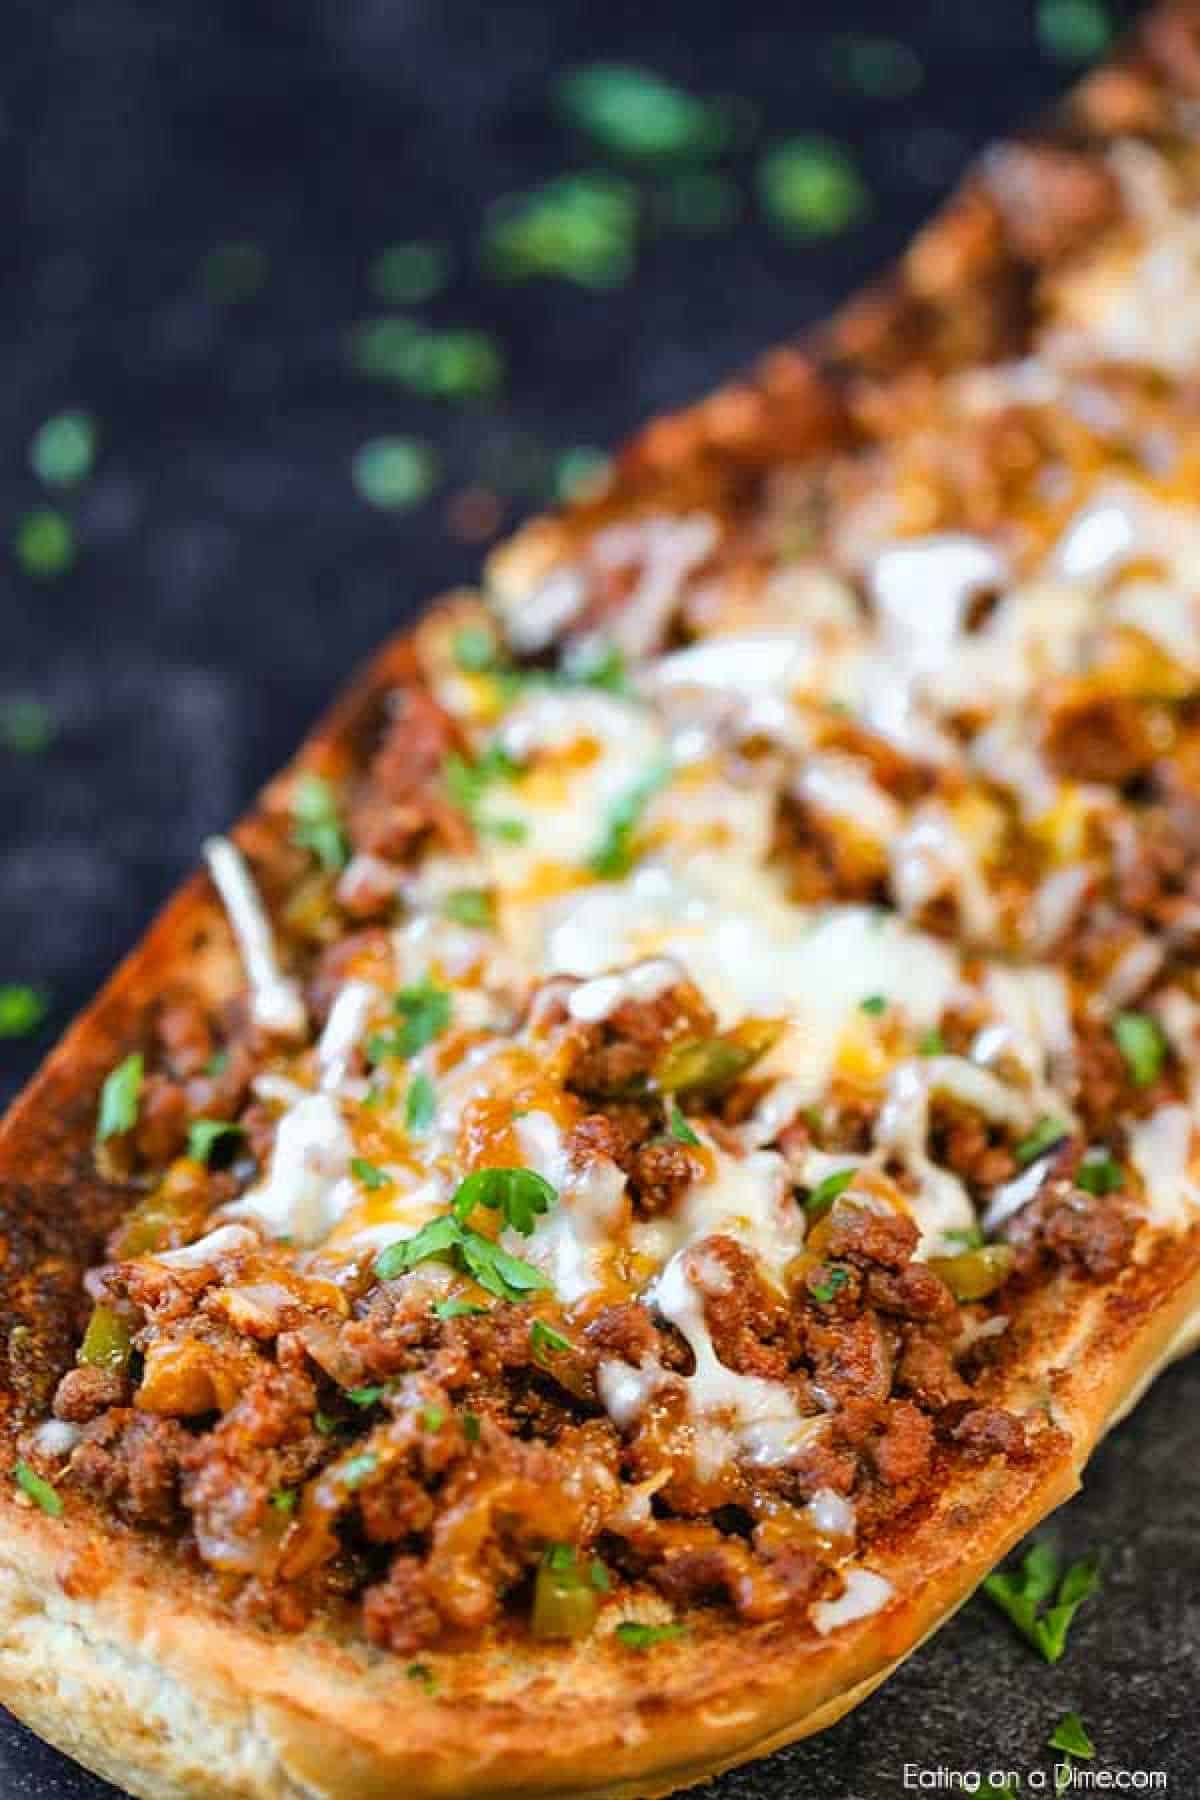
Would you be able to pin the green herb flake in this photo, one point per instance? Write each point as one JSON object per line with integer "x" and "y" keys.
{"x": 873, "y": 1004}
{"x": 284, "y": 1500}
{"x": 217, "y": 1063}
{"x": 1045, "y": 1135}
{"x": 234, "y": 272}
{"x": 432, "y": 1418}
{"x": 966, "y": 1237}
{"x": 395, "y": 472}
{"x": 205, "y": 1134}
{"x": 1142, "y": 1044}
{"x": 454, "y": 364}
{"x": 580, "y": 473}
{"x": 1071, "y": 1734}
{"x": 678, "y": 1126}
{"x": 826, "y": 1192}
{"x": 499, "y": 1273}
{"x": 458, "y": 1309}
{"x": 599, "y": 1576}
{"x": 883, "y": 68}
{"x": 578, "y": 227}
{"x": 359, "y": 1469}
{"x": 931, "y": 1043}
{"x": 1038, "y": 1603}
{"x": 631, "y": 111}
{"x": 518, "y": 1194}
{"x": 366, "y": 1396}
{"x": 424, "y": 1011}
{"x": 63, "y": 449}
{"x": 45, "y": 543}
{"x": 474, "y": 649}
{"x": 594, "y": 662}
{"x": 1074, "y": 30}
{"x": 420, "y": 1105}
{"x": 39, "y": 1489}
{"x": 545, "y": 1341}
{"x": 472, "y": 907}
{"x": 698, "y": 202}
{"x": 636, "y": 1636}
{"x": 316, "y": 826}
{"x": 436, "y": 1238}
{"x": 409, "y": 274}
{"x": 119, "y": 1098}
{"x": 326, "y": 1424}
{"x": 26, "y": 725}
{"x": 22, "y": 1009}
{"x": 1099, "y": 1173}
{"x": 827, "y": 1290}
{"x": 810, "y": 187}
{"x": 614, "y": 854}
{"x": 372, "y": 1178}
{"x": 470, "y": 1423}
{"x": 423, "y": 1675}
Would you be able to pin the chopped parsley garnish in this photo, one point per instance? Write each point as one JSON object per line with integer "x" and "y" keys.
{"x": 395, "y": 472}
{"x": 26, "y": 725}
{"x": 810, "y": 187}
{"x": 827, "y": 1290}
{"x": 63, "y": 449}
{"x": 458, "y": 1309}
{"x": 1038, "y": 1602}
{"x": 119, "y": 1098}
{"x": 545, "y": 1341}
{"x": 932, "y": 1043}
{"x": 1045, "y": 1134}
{"x": 432, "y": 1418}
{"x": 518, "y": 1194}
{"x": 965, "y": 1237}
{"x": 580, "y": 227}
{"x": 873, "y": 1004}
{"x": 883, "y": 68}
{"x": 359, "y": 1469}
{"x": 420, "y": 1104}
{"x": 371, "y": 1177}
{"x": 613, "y": 855}
{"x": 1099, "y": 1173}
{"x": 1141, "y": 1042}
{"x": 678, "y": 1126}
{"x": 205, "y": 1134}
{"x": 472, "y": 907}
{"x": 22, "y": 1009}
{"x": 631, "y": 111}
{"x": 217, "y": 1063}
{"x": 594, "y": 662}
{"x": 1074, "y": 30}
{"x": 366, "y": 1396}
{"x": 466, "y": 784}
{"x": 45, "y": 543}
{"x": 284, "y": 1500}
{"x": 456, "y": 364}
{"x": 315, "y": 823}
{"x": 474, "y": 649}
{"x": 505, "y": 1276}
{"x": 827, "y": 1191}
{"x": 599, "y": 1576}
{"x": 409, "y": 274}
{"x": 422, "y": 1673}
{"x": 470, "y": 1424}
{"x": 1070, "y": 1734}
{"x": 234, "y": 272}
{"x": 38, "y": 1489}
{"x": 636, "y": 1636}
{"x": 424, "y": 1011}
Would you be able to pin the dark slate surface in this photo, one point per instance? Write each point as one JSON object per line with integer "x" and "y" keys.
{"x": 229, "y": 576}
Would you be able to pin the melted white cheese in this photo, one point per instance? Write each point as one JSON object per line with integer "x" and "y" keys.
{"x": 308, "y": 1188}
{"x": 1161, "y": 1150}
{"x": 344, "y": 1027}
{"x": 275, "y": 999}
{"x": 865, "y": 1593}
{"x": 572, "y": 1241}
{"x": 599, "y": 999}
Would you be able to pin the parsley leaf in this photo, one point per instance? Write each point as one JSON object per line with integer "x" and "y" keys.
{"x": 581, "y": 227}
{"x": 1045, "y": 1134}
{"x": 640, "y": 1637}
{"x": 432, "y": 1418}
{"x": 284, "y": 1500}
{"x": 827, "y": 1290}
{"x": 422, "y": 1673}
{"x": 372, "y": 1178}
{"x": 1099, "y": 1173}
{"x": 470, "y": 906}
{"x": 474, "y": 649}
{"x": 22, "y": 1010}
{"x": 873, "y": 1004}
{"x": 827, "y": 1191}
{"x": 45, "y": 543}
{"x": 63, "y": 449}
{"x": 519, "y": 1194}
{"x": 678, "y": 1126}
{"x": 119, "y": 1098}
{"x": 613, "y": 855}
{"x": 26, "y": 725}
{"x": 470, "y": 1424}
{"x": 810, "y": 187}
{"x": 424, "y": 1012}
{"x": 545, "y": 1341}
{"x": 420, "y": 1104}
{"x": 395, "y": 472}
{"x": 434, "y": 1239}
{"x": 457, "y": 1309}
{"x": 38, "y": 1489}
{"x": 931, "y": 1043}
{"x": 1038, "y": 1603}
{"x": 1070, "y": 1734}
{"x": 316, "y": 826}
{"x": 1141, "y": 1042}
{"x": 631, "y": 111}
{"x": 365, "y": 1396}
{"x": 205, "y": 1134}
{"x": 505, "y": 1276}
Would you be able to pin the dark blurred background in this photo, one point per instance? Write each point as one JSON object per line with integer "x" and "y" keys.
{"x": 303, "y": 304}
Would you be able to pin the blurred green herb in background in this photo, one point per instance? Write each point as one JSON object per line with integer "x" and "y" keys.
{"x": 395, "y": 472}
{"x": 697, "y": 202}
{"x": 64, "y": 449}
{"x": 883, "y": 68}
{"x": 45, "y": 543}
{"x": 631, "y": 111}
{"x": 459, "y": 364}
{"x": 1074, "y": 30}
{"x": 234, "y": 271}
{"x": 580, "y": 227}
{"x": 810, "y": 187}
{"x": 410, "y": 274}
{"x": 22, "y": 1009}
{"x": 26, "y": 725}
